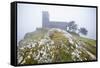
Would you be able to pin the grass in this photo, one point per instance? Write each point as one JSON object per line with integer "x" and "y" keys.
{"x": 62, "y": 50}
{"x": 36, "y": 35}
{"x": 90, "y": 44}
{"x": 58, "y": 38}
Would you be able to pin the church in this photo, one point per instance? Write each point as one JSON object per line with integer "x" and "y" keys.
{"x": 46, "y": 23}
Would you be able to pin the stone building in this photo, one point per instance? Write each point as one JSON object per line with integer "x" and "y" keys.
{"x": 46, "y": 23}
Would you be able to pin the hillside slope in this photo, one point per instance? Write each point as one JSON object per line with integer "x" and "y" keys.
{"x": 54, "y": 45}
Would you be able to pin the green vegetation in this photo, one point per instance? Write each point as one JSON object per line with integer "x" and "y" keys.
{"x": 54, "y": 45}
{"x": 90, "y": 43}
{"x": 37, "y": 35}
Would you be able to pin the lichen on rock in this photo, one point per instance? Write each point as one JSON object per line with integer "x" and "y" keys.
{"x": 52, "y": 46}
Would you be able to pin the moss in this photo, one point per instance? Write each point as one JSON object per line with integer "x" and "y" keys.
{"x": 60, "y": 51}
{"x": 30, "y": 60}
{"x": 65, "y": 56}
{"x": 59, "y": 38}
{"x": 90, "y": 48}
{"x": 60, "y": 54}
{"x": 84, "y": 56}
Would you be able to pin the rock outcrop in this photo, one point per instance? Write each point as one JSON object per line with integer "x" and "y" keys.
{"x": 52, "y": 46}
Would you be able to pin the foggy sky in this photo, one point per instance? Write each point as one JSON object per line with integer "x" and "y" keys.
{"x": 29, "y": 17}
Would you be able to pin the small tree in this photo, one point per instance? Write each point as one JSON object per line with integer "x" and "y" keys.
{"x": 74, "y": 27}
{"x": 71, "y": 26}
{"x": 83, "y": 31}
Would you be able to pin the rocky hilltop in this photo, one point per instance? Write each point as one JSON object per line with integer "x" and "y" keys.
{"x": 54, "y": 45}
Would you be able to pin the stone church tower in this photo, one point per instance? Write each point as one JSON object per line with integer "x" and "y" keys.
{"x": 46, "y": 23}
{"x": 45, "y": 19}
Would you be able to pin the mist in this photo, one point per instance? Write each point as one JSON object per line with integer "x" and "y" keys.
{"x": 29, "y": 17}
